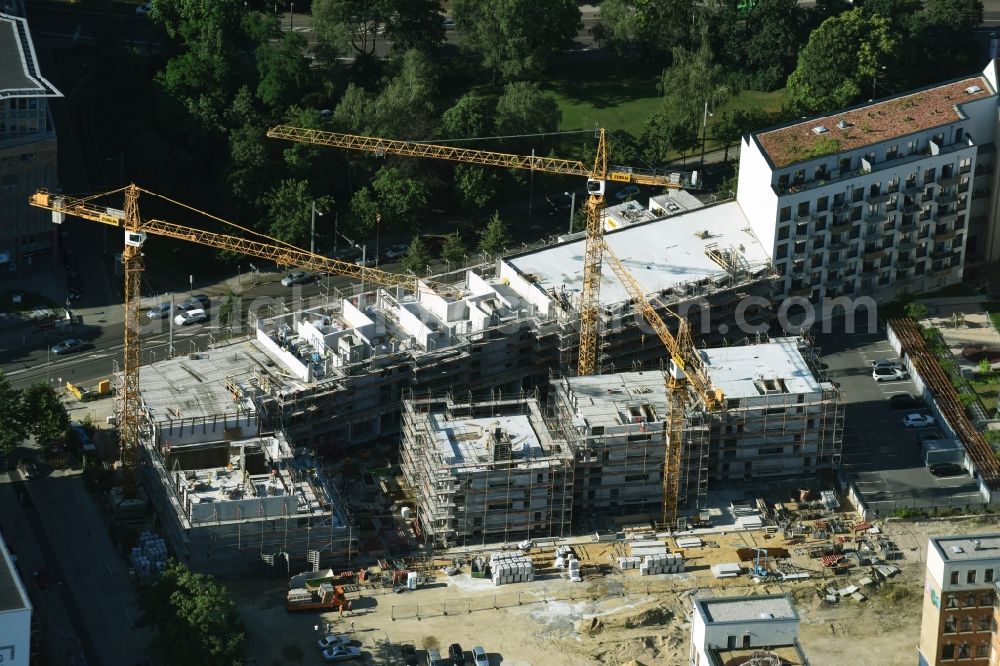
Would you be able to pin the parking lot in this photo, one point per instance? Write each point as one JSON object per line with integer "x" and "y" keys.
{"x": 882, "y": 456}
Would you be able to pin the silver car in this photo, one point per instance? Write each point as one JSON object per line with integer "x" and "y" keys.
{"x": 159, "y": 311}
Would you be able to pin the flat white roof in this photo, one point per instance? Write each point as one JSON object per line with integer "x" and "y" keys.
{"x": 738, "y": 371}
{"x": 659, "y": 254}
{"x": 967, "y": 547}
{"x": 469, "y": 440}
{"x": 747, "y": 609}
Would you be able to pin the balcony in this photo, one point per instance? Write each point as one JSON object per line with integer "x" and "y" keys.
{"x": 906, "y": 246}
{"x": 841, "y": 227}
{"x": 876, "y": 198}
{"x": 906, "y": 263}
{"x": 872, "y": 255}
{"x": 945, "y": 236}
{"x": 940, "y": 254}
{"x": 946, "y": 199}
{"x": 800, "y": 291}
{"x": 838, "y": 247}
{"x": 948, "y": 181}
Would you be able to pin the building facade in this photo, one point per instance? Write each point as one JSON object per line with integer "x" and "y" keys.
{"x": 28, "y": 158}
{"x": 957, "y": 625}
{"x": 15, "y": 613}
{"x": 781, "y": 420}
{"x": 891, "y": 196}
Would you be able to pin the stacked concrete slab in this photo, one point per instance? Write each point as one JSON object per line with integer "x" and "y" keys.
{"x": 661, "y": 564}
{"x": 511, "y": 568}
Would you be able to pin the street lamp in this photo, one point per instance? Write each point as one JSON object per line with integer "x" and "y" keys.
{"x": 704, "y": 133}
{"x": 874, "y": 78}
{"x": 312, "y": 233}
{"x": 291, "y": 18}
{"x": 572, "y": 208}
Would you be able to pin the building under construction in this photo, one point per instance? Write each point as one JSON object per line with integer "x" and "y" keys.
{"x": 230, "y": 498}
{"x": 485, "y": 471}
{"x": 339, "y": 369}
{"x": 780, "y": 420}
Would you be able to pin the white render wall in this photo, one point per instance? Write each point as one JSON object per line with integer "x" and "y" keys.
{"x": 754, "y": 193}
{"x": 707, "y": 635}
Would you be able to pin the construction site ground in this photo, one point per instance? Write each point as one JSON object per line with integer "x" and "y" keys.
{"x": 612, "y": 617}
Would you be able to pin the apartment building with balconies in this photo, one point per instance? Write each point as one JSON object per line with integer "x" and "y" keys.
{"x": 890, "y": 196}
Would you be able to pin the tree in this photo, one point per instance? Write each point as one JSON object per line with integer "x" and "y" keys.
{"x": 417, "y": 257}
{"x": 195, "y": 618}
{"x": 647, "y": 29}
{"x": 405, "y": 107}
{"x": 12, "y": 428}
{"x": 347, "y": 26}
{"x": 289, "y": 208}
{"x": 364, "y": 210}
{"x": 524, "y": 109}
{"x": 767, "y": 46}
{"x": 204, "y": 75}
{"x": 689, "y": 83}
{"x": 284, "y": 71}
{"x": 839, "y": 61}
{"x": 415, "y": 24}
{"x": 942, "y": 39}
{"x": 472, "y": 116}
{"x": 453, "y": 251}
{"x": 401, "y": 200}
{"x": 727, "y": 188}
{"x": 46, "y": 415}
{"x": 732, "y": 125}
{"x": 495, "y": 238}
{"x": 664, "y": 135}
{"x": 516, "y": 37}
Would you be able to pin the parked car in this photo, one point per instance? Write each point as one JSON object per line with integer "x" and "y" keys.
{"x": 976, "y": 353}
{"x": 888, "y": 374}
{"x": 918, "y": 420}
{"x": 341, "y": 653}
{"x": 396, "y": 251}
{"x": 434, "y": 658}
{"x": 947, "y": 469}
{"x": 456, "y": 654}
{"x": 333, "y": 640}
{"x": 479, "y": 657}
{"x": 448, "y": 23}
{"x": 885, "y": 363}
{"x": 27, "y": 468}
{"x": 409, "y": 654}
{"x": 159, "y": 311}
{"x": 298, "y": 277}
{"x": 906, "y": 401}
{"x": 629, "y": 191}
{"x": 196, "y": 302}
{"x": 368, "y": 261}
{"x": 144, "y": 9}
{"x": 67, "y": 346}
{"x": 191, "y": 317}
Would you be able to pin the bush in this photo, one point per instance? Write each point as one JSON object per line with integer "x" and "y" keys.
{"x": 908, "y": 514}
{"x": 915, "y": 310}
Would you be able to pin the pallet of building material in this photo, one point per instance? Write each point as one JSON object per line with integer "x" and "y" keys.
{"x": 629, "y": 562}
{"x": 727, "y": 570}
{"x": 689, "y": 542}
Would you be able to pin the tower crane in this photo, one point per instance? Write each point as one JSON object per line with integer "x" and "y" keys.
{"x": 596, "y": 177}
{"x": 686, "y": 371}
{"x": 136, "y": 230}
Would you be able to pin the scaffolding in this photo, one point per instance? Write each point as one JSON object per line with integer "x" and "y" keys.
{"x": 471, "y": 483}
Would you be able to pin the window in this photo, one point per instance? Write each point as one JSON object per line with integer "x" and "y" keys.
{"x": 783, "y": 232}
{"x": 952, "y": 601}
{"x": 892, "y": 152}
{"x": 984, "y": 622}
{"x": 982, "y": 650}
{"x": 857, "y": 195}
{"x": 822, "y": 204}
{"x": 947, "y": 651}
{"x": 970, "y": 577}
{"x": 970, "y": 600}
{"x": 963, "y": 651}
{"x": 986, "y": 599}
{"x": 954, "y": 578}
{"x": 803, "y": 209}
{"x": 949, "y": 624}
{"x": 967, "y": 623}
{"x": 786, "y": 214}
{"x": 911, "y": 147}
{"x": 988, "y": 575}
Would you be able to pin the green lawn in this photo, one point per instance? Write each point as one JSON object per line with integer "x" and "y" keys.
{"x": 987, "y": 392}
{"x": 624, "y": 104}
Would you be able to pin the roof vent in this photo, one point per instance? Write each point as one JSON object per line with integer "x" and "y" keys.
{"x": 819, "y": 129}
{"x": 975, "y": 544}
{"x": 957, "y": 549}
{"x": 972, "y": 90}
{"x": 767, "y": 616}
{"x": 843, "y": 124}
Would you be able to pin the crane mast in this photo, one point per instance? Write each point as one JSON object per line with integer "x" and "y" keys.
{"x": 685, "y": 372}
{"x": 596, "y": 178}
